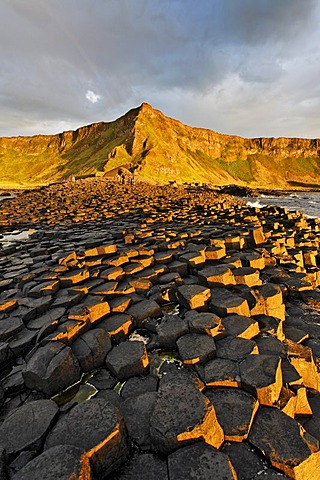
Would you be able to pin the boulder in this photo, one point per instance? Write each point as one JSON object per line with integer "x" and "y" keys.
{"x": 261, "y": 376}
{"x": 52, "y": 368}
{"x": 38, "y": 415}
{"x": 196, "y": 348}
{"x": 182, "y": 415}
{"x": 200, "y": 461}
{"x": 92, "y": 348}
{"x": 280, "y": 439}
{"x": 127, "y": 359}
{"x": 97, "y": 427}
{"x": 62, "y": 462}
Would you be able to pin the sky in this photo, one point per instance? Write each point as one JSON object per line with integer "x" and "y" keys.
{"x": 242, "y": 67}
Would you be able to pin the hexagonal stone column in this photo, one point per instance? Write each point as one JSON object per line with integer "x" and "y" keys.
{"x": 181, "y": 415}
{"x": 194, "y": 297}
{"x": 97, "y": 427}
{"x": 26, "y": 427}
{"x": 280, "y": 439}
{"x": 261, "y": 376}
{"x": 52, "y": 368}
{"x": 63, "y": 462}
{"x": 235, "y": 410}
{"x": 200, "y": 461}
{"x": 127, "y": 359}
{"x": 196, "y": 348}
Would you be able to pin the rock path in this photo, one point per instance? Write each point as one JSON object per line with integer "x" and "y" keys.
{"x": 158, "y": 333}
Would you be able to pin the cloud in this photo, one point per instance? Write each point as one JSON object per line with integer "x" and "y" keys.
{"x": 243, "y": 67}
{"x": 92, "y": 97}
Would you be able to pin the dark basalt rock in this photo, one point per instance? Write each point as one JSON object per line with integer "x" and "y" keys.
{"x": 270, "y": 432}
{"x": 38, "y": 415}
{"x": 145, "y": 466}
{"x": 182, "y": 415}
{"x": 62, "y": 462}
{"x": 169, "y": 329}
{"x": 196, "y": 348}
{"x": 200, "y": 461}
{"x": 137, "y": 412}
{"x": 52, "y": 368}
{"x": 245, "y": 460}
{"x": 92, "y": 348}
{"x": 235, "y": 410}
{"x": 138, "y": 385}
{"x": 97, "y": 427}
{"x": 127, "y": 359}
{"x": 186, "y": 269}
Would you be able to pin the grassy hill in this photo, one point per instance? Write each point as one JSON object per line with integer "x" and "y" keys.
{"x": 160, "y": 149}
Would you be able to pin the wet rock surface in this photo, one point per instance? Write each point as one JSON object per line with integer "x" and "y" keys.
{"x": 162, "y": 333}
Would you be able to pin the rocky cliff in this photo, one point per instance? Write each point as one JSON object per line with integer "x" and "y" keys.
{"x": 160, "y": 149}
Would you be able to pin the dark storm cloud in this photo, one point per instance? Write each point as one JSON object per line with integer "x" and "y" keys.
{"x": 247, "y": 67}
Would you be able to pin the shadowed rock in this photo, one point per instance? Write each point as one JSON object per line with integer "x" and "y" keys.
{"x": 145, "y": 466}
{"x": 127, "y": 359}
{"x": 245, "y": 460}
{"x": 92, "y": 348}
{"x": 51, "y": 369}
{"x": 169, "y": 329}
{"x": 62, "y": 462}
{"x": 182, "y": 415}
{"x": 200, "y": 461}
{"x": 261, "y": 376}
{"x": 38, "y": 415}
{"x": 137, "y": 412}
{"x": 196, "y": 348}
{"x": 280, "y": 439}
{"x": 235, "y": 410}
{"x": 97, "y": 427}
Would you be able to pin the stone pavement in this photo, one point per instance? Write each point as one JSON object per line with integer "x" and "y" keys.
{"x": 158, "y": 333}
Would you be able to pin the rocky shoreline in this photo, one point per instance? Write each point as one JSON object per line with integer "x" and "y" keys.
{"x": 157, "y": 333}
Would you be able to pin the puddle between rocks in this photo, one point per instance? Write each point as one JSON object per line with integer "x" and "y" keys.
{"x": 77, "y": 393}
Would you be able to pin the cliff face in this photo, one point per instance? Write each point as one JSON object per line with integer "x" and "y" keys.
{"x": 160, "y": 149}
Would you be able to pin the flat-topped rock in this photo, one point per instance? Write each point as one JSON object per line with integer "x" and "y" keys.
{"x": 92, "y": 348}
{"x": 235, "y": 410}
{"x": 270, "y": 432}
{"x": 63, "y": 462}
{"x": 38, "y": 415}
{"x": 241, "y": 326}
{"x": 52, "y": 368}
{"x": 200, "y": 461}
{"x": 205, "y": 322}
{"x": 127, "y": 359}
{"x": 117, "y": 326}
{"x": 225, "y": 303}
{"x": 235, "y": 348}
{"x": 143, "y": 310}
{"x": 217, "y": 276}
{"x": 261, "y": 376}
{"x": 182, "y": 415}
{"x": 221, "y": 372}
{"x": 97, "y": 427}
{"x": 194, "y": 297}
{"x": 196, "y": 348}
{"x": 169, "y": 329}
